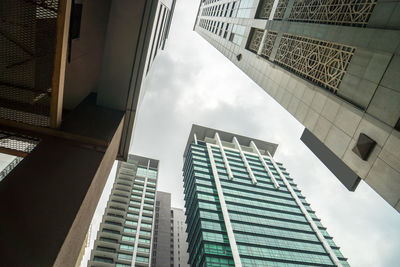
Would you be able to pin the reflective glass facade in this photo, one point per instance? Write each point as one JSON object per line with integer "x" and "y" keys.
{"x": 269, "y": 227}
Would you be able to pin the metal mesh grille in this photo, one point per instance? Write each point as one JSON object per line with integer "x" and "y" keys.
{"x": 264, "y": 9}
{"x": 9, "y": 167}
{"x": 280, "y": 9}
{"x": 318, "y": 61}
{"x": 27, "y": 45}
{"x": 17, "y": 142}
{"x": 339, "y": 12}
{"x": 255, "y": 40}
{"x": 269, "y": 44}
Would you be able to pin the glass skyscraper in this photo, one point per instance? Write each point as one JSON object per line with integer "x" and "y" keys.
{"x": 244, "y": 209}
{"x": 125, "y": 234}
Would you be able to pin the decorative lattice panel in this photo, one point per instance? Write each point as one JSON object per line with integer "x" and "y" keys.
{"x": 340, "y": 12}
{"x": 280, "y": 9}
{"x": 255, "y": 41}
{"x": 28, "y": 30}
{"x": 264, "y": 9}
{"x": 318, "y": 61}
{"x": 269, "y": 44}
{"x": 17, "y": 142}
{"x": 10, "y": 167}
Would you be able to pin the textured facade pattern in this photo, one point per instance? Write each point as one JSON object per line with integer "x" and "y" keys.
{"x": 268, "y": 44}
{"x": 269, "y": 227}
{"x": 342, "y": 12}
{"x": 264, "y": 9}
{"x": 281, "y": 9}
{"x": 255, "y": 40}
{"x": 321, "y": 62}
{"x": 125, "y": 233}
{"x": 27, "y": 51}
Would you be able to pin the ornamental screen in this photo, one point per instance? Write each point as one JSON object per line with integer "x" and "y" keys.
{"x": 268, "y": 44}
{"x": 339, "y": 12}
{"x": 321, "y": 62}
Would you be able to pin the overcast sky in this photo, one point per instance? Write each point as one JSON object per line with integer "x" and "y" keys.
{"x": 191, "y": 82}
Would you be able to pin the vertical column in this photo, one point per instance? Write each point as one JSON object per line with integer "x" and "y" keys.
{"x": 228, "y": 168}
{"x": 265, "y": 164}
{"x": 274, "y": 6}
{"x": 246, "y": 163}
{"x": 140, "y": 217}
{"x": 262, "y": 42}
{"x": 307, "y": 215}
{"x": 227, "y": 221}
{"x": 195, "y": 138}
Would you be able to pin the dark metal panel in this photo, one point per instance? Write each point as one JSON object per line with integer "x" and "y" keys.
{"x": 345, "y": 175}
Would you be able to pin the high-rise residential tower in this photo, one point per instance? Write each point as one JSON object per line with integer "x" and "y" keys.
{"x": 334, "y": 66}
{"x": 244, "y": 209}
{"x": 125, "y": 234}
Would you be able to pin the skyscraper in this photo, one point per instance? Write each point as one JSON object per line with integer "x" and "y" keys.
{"x": 334, "y": 66}
{"x": 125, "y": 232}
{"x": 244, "y": 209}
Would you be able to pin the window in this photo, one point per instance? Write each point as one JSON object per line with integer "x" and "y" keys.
{"x": 123, "y": 256}
{"x": 143, "y": 250}
{"x": 103, "y": 259}
{"x": 129, "y": 230}
{"x": 101, "y": 248}
{"x": 129, "y": 222}
{"x": 237, "y": 34}
{"x": 144, "y": 241}
{"x": 126, "y": 247}
{"x": 105, "y": 230}
{"x": 244, "y": 9}
{"x": 110, "y": 240}
{"x": 142, "y": 259}
{"x": 128, "y": 238}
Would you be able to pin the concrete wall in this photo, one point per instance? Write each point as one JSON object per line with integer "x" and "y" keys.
{"x": 83, "y": 71}
{"x": 48, "y": 200}
{"x": 162, "y": 231}
{"x": 181, "y": 256}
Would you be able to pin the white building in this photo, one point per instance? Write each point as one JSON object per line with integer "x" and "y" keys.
{"x": 125, "y": 233}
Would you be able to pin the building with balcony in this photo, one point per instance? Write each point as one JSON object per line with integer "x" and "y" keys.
{"x": 244, "y": 209}
{"x": 125, "y": 234}
{"x": 334, "y": 66}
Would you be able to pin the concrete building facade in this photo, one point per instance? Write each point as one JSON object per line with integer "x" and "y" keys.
{"x": 169, "y": 238}
{"x": 71, "y": 75}
{"x": 244, "y": 209}
{"x": 334, "y": 66}
{"x": 162, "y": 243}
{"x": 125, "y": 234}
{"x": 178, "y": 227}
